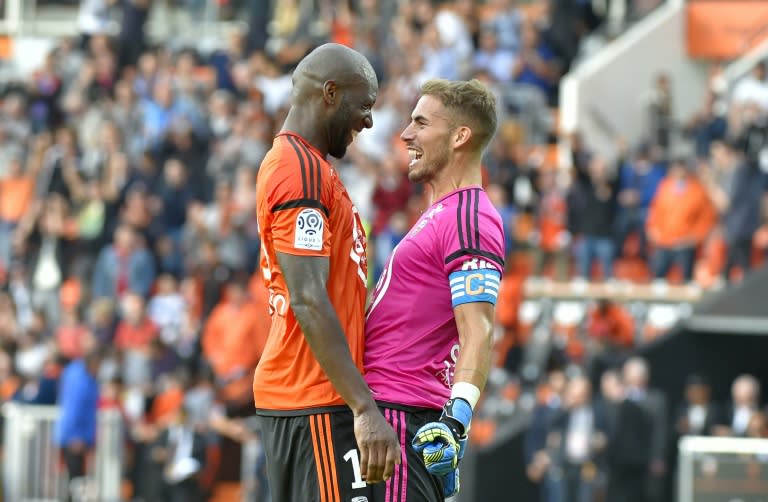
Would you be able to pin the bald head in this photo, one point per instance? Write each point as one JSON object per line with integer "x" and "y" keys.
{"x": 332, "y": 62}
{"x": 334, "y": 90}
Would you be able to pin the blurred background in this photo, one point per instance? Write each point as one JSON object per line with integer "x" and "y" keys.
{"x": 630, "y": 168}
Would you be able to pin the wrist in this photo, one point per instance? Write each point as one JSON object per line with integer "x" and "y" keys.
{"x": 466, "y": 391}
{"x": 363, "y": 406}
{"x": 457, "y": 415}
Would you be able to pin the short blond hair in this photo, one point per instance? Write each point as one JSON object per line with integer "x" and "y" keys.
{"x": 470, "y": 103}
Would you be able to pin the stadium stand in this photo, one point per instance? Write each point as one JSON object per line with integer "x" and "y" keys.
{"x": 130, "y": 135}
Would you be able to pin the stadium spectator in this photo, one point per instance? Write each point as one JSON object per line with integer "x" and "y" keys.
{"x": 707, "y": 125}
{"x": 135, "y": 330}
{"x": 611, "y": 332}
{"x": 745, "y": 403}
{"x": 577, "y": 437}
{"x": 232, "y": 341}
{"x": 16, "y": 192}
{"x": 736, "y": 190}
{"x": 639, "y": 180}
{"x": 77, "y": 120}
{"x": 73, "y": 339}
{"x": 697, "y": 415}
{"x": 180, "y": 450}
{"x": 597, "y": 196}
{"x": 122, "y": 267}
{"x": 680, "y": 217}
{"x": 536, "y": 64}
{"x": 537, "y": 458}
{"x": 78, "y": 399}
{"x": 653, "y": 403}
{"x": 629, "y": 450}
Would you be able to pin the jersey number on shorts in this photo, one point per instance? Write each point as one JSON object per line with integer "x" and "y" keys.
{"x": 353, "y": 456}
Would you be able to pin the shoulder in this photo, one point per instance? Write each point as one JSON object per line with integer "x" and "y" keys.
{"x": 472, "y": 227}
{"x": 292, "y": 171}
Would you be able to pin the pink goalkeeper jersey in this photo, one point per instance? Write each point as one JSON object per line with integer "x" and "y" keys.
{"x": 453, "y": 255}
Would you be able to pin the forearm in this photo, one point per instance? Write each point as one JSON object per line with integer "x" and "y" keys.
{"x": 475, "y": 354}
{"x": 325, "y": 337}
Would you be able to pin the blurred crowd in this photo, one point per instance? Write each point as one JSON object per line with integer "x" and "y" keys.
{"x": 127, "y": 172}
{"x": 615, "y": 437}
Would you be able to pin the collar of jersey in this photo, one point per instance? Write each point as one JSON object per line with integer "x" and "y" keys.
{"x": 303, "y": 141}
{"x": 468, "y": 187}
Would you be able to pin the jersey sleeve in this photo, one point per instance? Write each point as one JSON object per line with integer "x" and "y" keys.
{"x": 298, "y": 207}
{"x": 473, "y": 250}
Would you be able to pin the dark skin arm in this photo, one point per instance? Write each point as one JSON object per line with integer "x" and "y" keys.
{"x": 306, "y": 278}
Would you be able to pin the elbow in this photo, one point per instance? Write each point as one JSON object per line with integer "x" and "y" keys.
{"x": 305, "y": 300}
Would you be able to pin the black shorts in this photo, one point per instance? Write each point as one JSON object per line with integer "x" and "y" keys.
{"x": 314, "y": 458}
{"x": 411, "y": 481}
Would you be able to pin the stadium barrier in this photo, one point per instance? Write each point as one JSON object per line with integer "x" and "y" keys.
{"x": 32, "y": 465}
{"x": 720, "y": 468}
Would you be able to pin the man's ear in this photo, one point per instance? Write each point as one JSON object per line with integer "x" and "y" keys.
{"x": 462, "y": 136}
{"x": 330, "y": 92}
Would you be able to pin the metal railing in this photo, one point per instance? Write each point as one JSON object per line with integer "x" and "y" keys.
{"x": 720, "y": 468}
{"x": 32, "y": 467}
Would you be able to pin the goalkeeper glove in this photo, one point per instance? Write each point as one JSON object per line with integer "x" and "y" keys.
{"x": 451, "y": 480}
{"x": 450, "y": 483}
{"x": 442, "y": 443}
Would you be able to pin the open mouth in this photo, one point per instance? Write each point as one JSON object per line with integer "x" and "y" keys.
{"x": 415, "y": 156}
{"x": 352, "y": 135}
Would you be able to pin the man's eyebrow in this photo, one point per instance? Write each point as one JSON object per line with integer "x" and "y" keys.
{"x": 419, "y": 118}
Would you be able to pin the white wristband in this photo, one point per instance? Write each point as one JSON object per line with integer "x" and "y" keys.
{"x": 466, "y": 391}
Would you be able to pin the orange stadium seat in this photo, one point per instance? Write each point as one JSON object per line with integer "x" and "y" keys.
{"x": 632, "y": 269}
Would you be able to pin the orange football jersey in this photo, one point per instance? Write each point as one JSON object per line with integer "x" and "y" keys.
{"x": 304, "y": 209}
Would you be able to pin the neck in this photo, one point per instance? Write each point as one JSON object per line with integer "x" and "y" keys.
{"x": 462, "y": 172}
{"x": 304, "y": 123}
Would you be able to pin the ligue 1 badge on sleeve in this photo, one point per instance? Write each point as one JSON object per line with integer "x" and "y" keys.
{"x": 309, "y": 230}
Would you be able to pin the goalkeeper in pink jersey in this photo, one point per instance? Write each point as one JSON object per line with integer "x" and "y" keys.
{"x": 430, "y": 322}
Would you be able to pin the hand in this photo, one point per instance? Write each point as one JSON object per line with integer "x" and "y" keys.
{"x": 442, "y": 443}
{"x": 379, "y": 446}
{"x": 629, "y": 198}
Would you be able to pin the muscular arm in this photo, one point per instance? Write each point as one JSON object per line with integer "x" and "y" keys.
{"x": 475, "y": 323}
{"x": 306, "y": 278}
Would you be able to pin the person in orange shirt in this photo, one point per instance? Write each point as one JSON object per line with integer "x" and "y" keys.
{"x": 233, "y": 340}
{"x": 509, "y": 348}
{"x": 136, "y": 330}
{"x": 309, "y": 393}
{"x": 680, "y": 217}
{"x": 611, "y": 332}
{"x": 16, "y": 191}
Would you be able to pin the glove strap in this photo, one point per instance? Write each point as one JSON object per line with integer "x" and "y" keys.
{"x": 457, "y": 414}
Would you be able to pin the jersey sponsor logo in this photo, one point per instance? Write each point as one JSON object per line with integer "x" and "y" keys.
{"x": 480, "y": 285}
{"x": 445, "y": 375}
{"x": 359, "y": 499}
{"x": 476, "y": 264}
{"x": 426, "y": 219}
{"x": 309, "y": 230}
{"x": 357, "y": 253}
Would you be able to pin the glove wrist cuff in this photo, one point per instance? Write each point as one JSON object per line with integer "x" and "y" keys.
{"x": 457, "y": 414}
